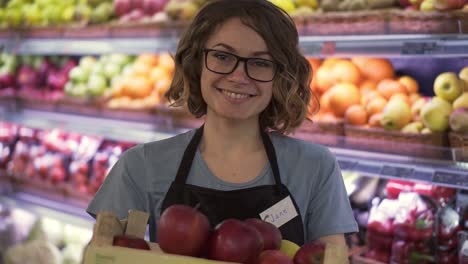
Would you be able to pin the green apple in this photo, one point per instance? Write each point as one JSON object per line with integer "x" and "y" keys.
{"x": 463, "y": 75}
{"x": 413, "y": 127}
{"x": 120, "y": 59}
{"x": 111, "y": 70}
{"x": 80, "y": 90}
{"x": 396, "y": 114}
{"x": 79, "y": 75}
{"x": 461, "y": 101}
{"x": 87, "y": 62}
{"x": 448, "y": 86}
{"x": 435, "y": 114}
{"x": 98, "y": 68}
{"x": 13, "y": 17}
{"x": 417, "y": 106}
{"x": 68, "y": 13}
{"x": 97, "y": 84}
{"x": 427, "y": 5}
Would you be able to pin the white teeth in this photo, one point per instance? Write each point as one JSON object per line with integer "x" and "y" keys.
{"x": 235, "y": 95}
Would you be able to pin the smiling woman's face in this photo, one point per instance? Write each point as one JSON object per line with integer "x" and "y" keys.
{"x": 235, "y": 96}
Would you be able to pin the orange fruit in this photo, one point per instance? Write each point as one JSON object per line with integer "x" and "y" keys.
{"x": 367, "y": 86}
{"x": 345, "y": 71}
{"x": 375, "y": 69}
{"x": 325, "y": 102}
{"x": 149, "y": 60}
{"x": 365, "y": 98}
{"x": 324, "y": 78}
{"x": 137, "y": 87}
{"x": 159, "y": 73}
{"x": 356, "y": 115}
{"x": 374, "y": 120}
{"x": 330, "y": 62}
{"x": 141, "y": 69}
{"x": 376, "y": 105}
{"x": 401, "y": 96}
{"x": 326, "y": 117}
{"x": 167, "y": 62}
{"x": 343, "y": 95}
{"x": 389, "y": 87}
{"x": 409, "y": 83}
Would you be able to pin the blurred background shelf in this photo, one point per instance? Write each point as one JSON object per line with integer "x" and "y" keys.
{"x": 444, "y": 172}
{"x": 389, "y": 45}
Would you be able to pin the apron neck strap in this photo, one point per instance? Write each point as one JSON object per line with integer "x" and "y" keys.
{"x": 189, "y": 154}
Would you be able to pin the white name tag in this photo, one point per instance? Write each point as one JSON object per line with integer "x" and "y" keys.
{"x": 280, "y": 213}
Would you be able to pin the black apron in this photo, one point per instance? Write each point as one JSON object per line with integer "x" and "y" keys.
{"x": 239, "y": 204}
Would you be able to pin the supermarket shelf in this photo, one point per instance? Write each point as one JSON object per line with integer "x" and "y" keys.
{"x": 95, "y": 46}
{"x": 389, "y": 45}
{"x": 54, "y": 208}
{"x": 446, "y": 45}
{"x": 441, "y": 172}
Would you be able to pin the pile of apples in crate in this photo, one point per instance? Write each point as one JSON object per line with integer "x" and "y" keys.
{"x": 367, "y": 92}
{"x": 183, "y": 230}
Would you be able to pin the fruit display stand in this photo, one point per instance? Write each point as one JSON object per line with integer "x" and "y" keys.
{"x": 420, "y": 145}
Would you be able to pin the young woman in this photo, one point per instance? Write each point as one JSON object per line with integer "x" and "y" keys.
{"x": 238, "y": 65}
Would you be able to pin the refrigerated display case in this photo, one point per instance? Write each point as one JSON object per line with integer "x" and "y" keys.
{"x": 416, "y": 47}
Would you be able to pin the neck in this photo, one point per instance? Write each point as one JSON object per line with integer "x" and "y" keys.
{"x": 225, "y": 137}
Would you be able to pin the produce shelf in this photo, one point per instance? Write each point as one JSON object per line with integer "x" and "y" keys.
{"x": 392, "y": 32}
{"x": 54, "y": 208}
{"x": 368, "y": 163}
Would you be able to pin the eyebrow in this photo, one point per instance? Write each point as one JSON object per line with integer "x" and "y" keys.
{"x": 231, "y": 49}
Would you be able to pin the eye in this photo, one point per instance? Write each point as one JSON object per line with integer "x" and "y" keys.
{"x": 261, "y": 63}
{"x": 221, "y": 56}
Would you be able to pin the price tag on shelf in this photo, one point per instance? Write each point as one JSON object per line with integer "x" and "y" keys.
{"x": 456, "y": 179}
{"x": 368, "y": 168}
{"x": 346, "y": 164}
{"x": 400, "y": 172}
{"x": 420, "y": 48}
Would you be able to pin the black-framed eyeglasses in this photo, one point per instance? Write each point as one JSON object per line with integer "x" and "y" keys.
{"x": 222, "y": 62}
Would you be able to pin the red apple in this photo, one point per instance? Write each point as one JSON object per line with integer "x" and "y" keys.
{"x": 182, "y": 230}
{"x": 270, "y": 233}
{"x": 274, "y": 257}
{"x": 235, "y": 241}
{"x": 122, "y": 7}
{"x": 311, "y": 253}
{"x": 130, "y": 242}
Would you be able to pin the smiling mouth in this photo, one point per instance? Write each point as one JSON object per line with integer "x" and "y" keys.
{"x": 235, "y": 95}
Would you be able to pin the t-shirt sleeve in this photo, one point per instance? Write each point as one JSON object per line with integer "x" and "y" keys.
{"x": 329, "y": 211}
{"x": 123, "y": 188}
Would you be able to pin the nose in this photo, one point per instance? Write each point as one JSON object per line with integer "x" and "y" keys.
{"x": 239, "y": 75}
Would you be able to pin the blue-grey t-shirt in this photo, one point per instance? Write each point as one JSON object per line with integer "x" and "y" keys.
{"x": 143, "y": 174}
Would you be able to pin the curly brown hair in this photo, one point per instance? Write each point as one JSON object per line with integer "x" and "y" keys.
{"x": 291, "y": 100}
